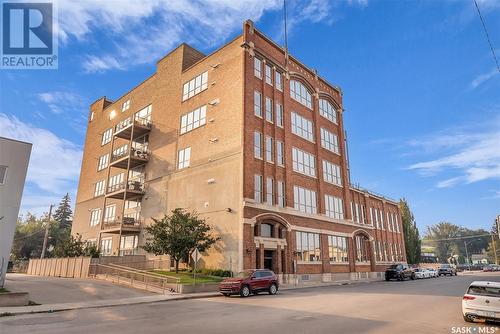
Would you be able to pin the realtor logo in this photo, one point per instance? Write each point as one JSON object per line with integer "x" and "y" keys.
{"x": 28, "y": 40}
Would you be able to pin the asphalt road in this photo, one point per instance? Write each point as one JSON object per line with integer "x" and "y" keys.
{"x": 422, "y": 306}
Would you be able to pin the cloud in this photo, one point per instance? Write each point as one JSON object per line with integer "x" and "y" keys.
{"x": 480, "y": 79}
{"x": 55, "y": 162}
{"x": 60, "y": 101}
{"x": 474, "y": 155}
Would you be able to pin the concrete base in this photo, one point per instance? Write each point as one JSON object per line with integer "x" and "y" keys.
{"x": 14, "y": 299}
{"x": 204, "y": 287}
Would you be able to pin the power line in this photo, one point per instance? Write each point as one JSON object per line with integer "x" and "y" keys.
{"x": 460, "y": 238}
{"x": 29, "y": 235}
{"x": 487, "y": 36}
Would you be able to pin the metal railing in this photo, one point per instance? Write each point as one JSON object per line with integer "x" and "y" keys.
{"x": 135, "y": 277}
{"x": 121, "y": 152}
{"x": 137, "y": 185}
{"x": 136, "y": 120}
{"x": 125, "y": 221}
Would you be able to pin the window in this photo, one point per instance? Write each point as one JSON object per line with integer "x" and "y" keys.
{"x": 281, "y": 194}
{"x": 257, "y": 68}
{"x": 106, "y": 136}
{"x": 363, "y": 214}
{"x": 331, "y": 173}
{"x": 375, "y": 211}
{"x": 307, "y": 246}
{"x": 302, "y": 127}
{"x": 184, "y": 158}
{"x": 269, "y": 190}
{"x": 99, "y": 188}
{"x": 329, "y": 141}
{"x": 3, "y": 174}
{"x": 195, "y": 86}
{"x": 362, "y": 249}
{"x": 144, "y": 114}
{"x": 257, "y": 186}
{"x": 126, "y": 105}
{"x": 193, "y": 119}
{"x": 389, "y": 222}
{"x": 114, "y": 182}
{"x": 269, "y": 110}
{"x": 337, "y": 249}
{"x": 103, "y": 162}
{"x": 109, "y": 213}
{"x": 95, "y": 217}
{"x": 304, "y": 200}
{"x": 128, "y": 244}
{"x": 280, "y": 153}
{"x": 106, "y": 246}
{"x": 303, "y": 162}
{"x": 396, "y": 222}
{"x": 371, "y": 216}
{"x": 299, "y": 93}
{"x": 91, "y": 116}
{"x": 279, "y": 114}
{"x": 327, "y": 111}
{"x": 266, "y": 230}
{"x": 269, "y": 149}
{"x": 257, "y": 145}
{"x": 382, "y": 219}
{"x": 269, "y": 75}
{"x": 278, "y": 80}
{"x": 385, "y": 251}
{"x": 257, "y": 103}
{"x": 334, "y": 207}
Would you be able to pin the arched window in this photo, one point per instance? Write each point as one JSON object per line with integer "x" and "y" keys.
{"x": 300, "y": 93}
{"x": 266, "y": 230}
{"x": 362, "y": 248}
{"x": 327, "y": 110}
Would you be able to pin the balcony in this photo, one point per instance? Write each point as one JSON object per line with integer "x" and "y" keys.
{"x": 132, "y": 128}
{"x": 127, "y": 225}
{"x": 134, "y": 188}
{"x": 138, "y": 156}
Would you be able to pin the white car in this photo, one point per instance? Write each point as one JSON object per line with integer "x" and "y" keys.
{"x": 421, "y": 273}
{"x": 482, "y": 302}
{"x": 432, "y": 272}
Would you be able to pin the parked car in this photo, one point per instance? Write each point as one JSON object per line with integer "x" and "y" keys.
{"x": 420, "y": 273}
{"x": 482, "y": 302}
{"x": 399, "y": 271}
{"x": 432, "y": 272}
{"x": 488, "y": 268}
{"x": 250, "y": 281}
{"x": 447, "y": 269}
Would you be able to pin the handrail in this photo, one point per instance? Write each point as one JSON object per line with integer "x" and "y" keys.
{"x": 147, "y": 273}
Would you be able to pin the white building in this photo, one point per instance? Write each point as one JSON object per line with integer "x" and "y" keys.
{"x": 14, "y": 158}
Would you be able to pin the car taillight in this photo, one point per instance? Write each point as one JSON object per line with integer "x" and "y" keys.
{"x": 469, "y": 298}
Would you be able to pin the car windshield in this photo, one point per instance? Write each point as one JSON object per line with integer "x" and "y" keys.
{"x": 418, "y": 269}
{"x": 394, "y": 266}
{"x": 243, "y": 274}
{"x": 445, "y": 266}
{"x": 484, "y": 291}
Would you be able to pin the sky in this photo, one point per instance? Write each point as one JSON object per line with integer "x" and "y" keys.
{"x": 421, "y": 90}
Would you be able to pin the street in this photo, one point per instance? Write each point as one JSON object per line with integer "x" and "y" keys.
{"x": 421, "y": 306}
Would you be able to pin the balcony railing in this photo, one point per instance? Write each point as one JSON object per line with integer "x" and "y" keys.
{"x": 134, "y": 185}
{"x": 140, "y": 152}
{"x": 142, "y": 121}
{"x": 129, "y": 224}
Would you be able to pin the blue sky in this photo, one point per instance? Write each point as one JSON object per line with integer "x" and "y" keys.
{"x": 421, "y": 92}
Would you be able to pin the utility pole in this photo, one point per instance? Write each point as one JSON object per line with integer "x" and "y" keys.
{"x": 46, "y": 237}
{"x": 494, "y": 249}
{"x": 467, "y": 254}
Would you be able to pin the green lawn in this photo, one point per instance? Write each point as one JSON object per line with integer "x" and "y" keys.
{"x": 187, "y": 278}
{"x": 3, "y": 290}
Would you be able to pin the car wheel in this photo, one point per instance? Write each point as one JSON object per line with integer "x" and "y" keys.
{"x": 413, "y": 276}
{"x": 273, "y": 289}
{"x": 467, "y": 319}
{"x": 387, "y": 279}
{"x": 226, "y": 294}
{"x": 245, "y": 291}
{"x": 456, "y": 273}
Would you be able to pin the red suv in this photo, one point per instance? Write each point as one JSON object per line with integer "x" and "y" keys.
{"x": 250, "y": 281}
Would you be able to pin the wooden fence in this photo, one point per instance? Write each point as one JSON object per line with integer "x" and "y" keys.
{"x": 69, "y": 267}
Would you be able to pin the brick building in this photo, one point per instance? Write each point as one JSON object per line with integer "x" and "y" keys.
{"x": 251, "y": 139}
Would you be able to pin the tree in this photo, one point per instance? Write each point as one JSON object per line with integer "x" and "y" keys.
{"x": 445, "y": 249}
{"x": 494, "y": 247}
{"x": 63, "y": 214}
{"x": 74, "y": 247}
{"x": 28, "y": 237}
{"x": 411, "y": 234}
{"x": 179, "y": 235}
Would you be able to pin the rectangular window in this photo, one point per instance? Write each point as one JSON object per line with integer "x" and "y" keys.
{"x": 363, "y": 214}
{"x": 257, "y": 145}
{"x": 195, "y": 86}
{"x": 193, "y": 119}
{"x": 269, "y": 149}
{"x": 269, "y": 110}
{"x": 279, "y": 115}
{"x": 327, "y": 111}
{"x": 278, "y": 80}
{"x": 269, "y": 190}
{"x": 144, "y": 115}
{"x": 95, "y": 217}
{"x": 304, "y": 200}
{"x": 331, "y": 173}
{"x": 281, "y": 194}
{"x": 303, "y": 162}
{"x": 371, "y": 216}
{"x": 257, "y": 103}
{"x": 358, "y": 218}
{"x": 307, "y": 247}
{"x": 280, "y": 153}
{"x": 103, "y": 162}
{"x": 128, "y": 244}
{"x": 106, "y": 246}
{"x": 337, "y": 249}
{"x": 109, "y": 213}
{"x": 106, "y": 136}
{"x": 3, "y": 174}
{"x": 362, "y": 249}
{"x": 184, "y": 158}
{"x": 257, "y": 185}
{"x": 126, "y": 105}
{"x": 334, "y": 207}
{"x": 329, "y": 141}
{"x": 115, "y": 182}
{"x": 396, "y": 222}
{"x": 269, "y": 75}
{"x": 376, "y": 218}
{"x": 389, "y": 222}
{"x": 300, "y": 93}
{"x": 302, "y": 127}
{"x": 99, "y": 188}
{"x": 257, "y": 67}
{"x": 382, "y": 219}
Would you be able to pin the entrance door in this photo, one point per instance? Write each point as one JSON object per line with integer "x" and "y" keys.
{"x": 268, "y": 259}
